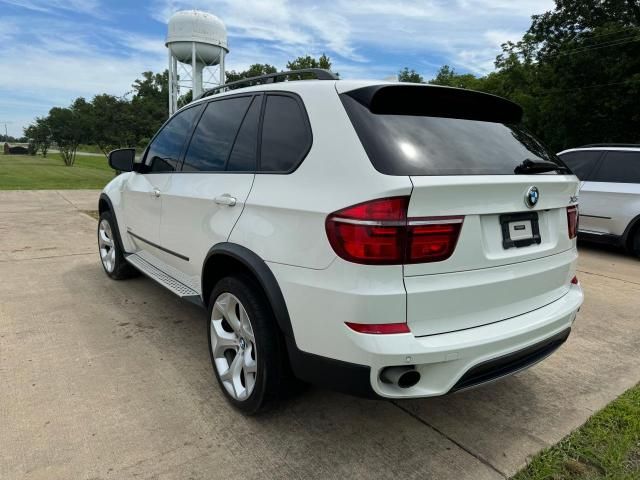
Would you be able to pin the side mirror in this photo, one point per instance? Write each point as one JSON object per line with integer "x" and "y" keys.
{"x": 122, "y": 159}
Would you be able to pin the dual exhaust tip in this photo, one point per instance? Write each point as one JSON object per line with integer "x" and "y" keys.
{"x": 403, "y": 377}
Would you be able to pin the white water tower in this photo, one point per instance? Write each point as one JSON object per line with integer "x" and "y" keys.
{"x": 197, "y": 43}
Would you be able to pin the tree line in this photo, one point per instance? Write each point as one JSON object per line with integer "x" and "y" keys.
{"x": 575, "y": 72}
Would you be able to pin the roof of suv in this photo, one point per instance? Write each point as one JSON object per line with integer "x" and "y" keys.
{"x": 506, "y": 109}
{"x": 300, "y": 85}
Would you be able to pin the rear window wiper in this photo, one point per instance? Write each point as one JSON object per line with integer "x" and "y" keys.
{"x": 529, "y": 166}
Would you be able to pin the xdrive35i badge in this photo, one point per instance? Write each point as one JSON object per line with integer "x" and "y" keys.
{"x": 531, "y": 197}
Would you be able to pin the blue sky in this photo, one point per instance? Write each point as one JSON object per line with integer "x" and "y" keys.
{"x": 55, "y": 50}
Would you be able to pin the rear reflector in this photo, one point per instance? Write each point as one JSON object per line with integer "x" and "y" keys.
{"x": 379, "y": 328}
{"x": 575, "y": 281}
{"x": 379, "y": 233}
{"x": 572, "y": 221}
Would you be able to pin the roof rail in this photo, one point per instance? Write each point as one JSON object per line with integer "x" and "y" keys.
{"x": 620, "y": 145}
{"x": 320, "y": 74}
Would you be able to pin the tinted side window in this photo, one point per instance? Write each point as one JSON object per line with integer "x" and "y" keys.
{"x": 286, "y": 137}
{"x": 244, "y": 153}
{"x": 164, "y": 151}
{"x": 214, "y": 135}
{"x": 581, "y": 163}
{"x": 619, "y": 167}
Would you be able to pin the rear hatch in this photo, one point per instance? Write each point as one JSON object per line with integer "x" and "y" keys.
{"x": 470, "y": 162}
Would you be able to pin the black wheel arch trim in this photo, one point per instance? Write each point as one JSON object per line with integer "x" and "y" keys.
{"x": 261, "y": 271}
{"x": 105, "y": 197}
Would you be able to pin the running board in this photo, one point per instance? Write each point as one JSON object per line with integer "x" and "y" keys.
{"x": 164, "y": 279}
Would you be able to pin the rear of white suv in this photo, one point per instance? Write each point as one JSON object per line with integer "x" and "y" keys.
{"x": 420, "y": 243}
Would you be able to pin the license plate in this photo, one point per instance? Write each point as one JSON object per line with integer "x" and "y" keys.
{"x": 520, "y": 229}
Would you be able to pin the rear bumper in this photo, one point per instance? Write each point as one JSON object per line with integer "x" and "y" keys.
{"x": 447, "y": 362}
{"x": 443, "y": 360}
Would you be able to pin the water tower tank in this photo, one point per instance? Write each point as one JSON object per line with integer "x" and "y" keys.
{"x": 197, "y": 39}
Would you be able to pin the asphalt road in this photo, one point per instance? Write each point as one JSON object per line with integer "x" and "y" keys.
{"x": 104, "y": 379}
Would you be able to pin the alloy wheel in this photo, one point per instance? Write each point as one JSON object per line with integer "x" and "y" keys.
{"x": 107, "y": 246}
{"x": 233, "y": 345}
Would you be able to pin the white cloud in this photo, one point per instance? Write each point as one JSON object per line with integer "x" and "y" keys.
{"x": 90, "y": 7}
{"x": 464, "y": 32}
{"x": 51, "y": 59}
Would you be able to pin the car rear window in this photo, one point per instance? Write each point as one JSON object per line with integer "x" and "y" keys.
{"x": 421, "y": 130}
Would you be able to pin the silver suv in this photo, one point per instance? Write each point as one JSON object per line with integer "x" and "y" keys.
{"x": 609, "y": 192}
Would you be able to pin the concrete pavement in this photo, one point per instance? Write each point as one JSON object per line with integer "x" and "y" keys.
{"x": 104, "y": 379}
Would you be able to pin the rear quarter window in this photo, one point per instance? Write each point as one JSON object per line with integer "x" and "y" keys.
{"x": 618, "y": 167}
{"x": 286, "y": 135}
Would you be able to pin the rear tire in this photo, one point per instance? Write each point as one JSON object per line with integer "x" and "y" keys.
{"x": 246, "y": 347}
{"x": 110, "y": 249}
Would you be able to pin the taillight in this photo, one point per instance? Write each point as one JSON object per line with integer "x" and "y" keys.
{"x": 379, "y": 233}
{"x": 572, "y": 220}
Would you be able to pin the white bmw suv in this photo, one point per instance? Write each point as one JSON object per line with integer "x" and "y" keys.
{"x": 387, "y": 240}
{"x": 609, "y": 192}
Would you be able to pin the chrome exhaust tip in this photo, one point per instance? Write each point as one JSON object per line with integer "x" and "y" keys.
{"x": 403, "y": 377}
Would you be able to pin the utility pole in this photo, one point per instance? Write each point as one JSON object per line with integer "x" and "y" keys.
{"x": 6, "y": 134}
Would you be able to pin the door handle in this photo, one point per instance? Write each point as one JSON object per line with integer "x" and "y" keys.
{"x": 156, "y": 192}
{"x": 225, "y": 199}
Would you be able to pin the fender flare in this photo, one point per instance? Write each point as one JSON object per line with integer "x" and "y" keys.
{"x": 105, "y": 197}
{"x": 263, "y": 274}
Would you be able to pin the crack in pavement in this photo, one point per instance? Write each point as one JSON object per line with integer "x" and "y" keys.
{"x": 609, "y": 277}
{"x": 478, "y": 457}
{"x": 43, "y": 258}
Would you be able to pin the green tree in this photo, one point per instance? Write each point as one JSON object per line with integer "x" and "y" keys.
{"x": 409, "y": 76}
{"x": 577, "y": 73}
{"x": 39, "y": 136}
{"x": 447, "y": 76}
{"x": 150, "y": 105}
{"x": 308, "y": 61}
{"x": 111, "y": 123}
{"x": 254, "y": 70}
{"x": 68, "y": 128}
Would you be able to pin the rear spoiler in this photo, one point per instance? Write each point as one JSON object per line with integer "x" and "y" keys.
{"x": 437, "y": 101}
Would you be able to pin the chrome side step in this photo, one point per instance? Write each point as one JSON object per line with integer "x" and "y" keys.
{"x": 164, "y": 279}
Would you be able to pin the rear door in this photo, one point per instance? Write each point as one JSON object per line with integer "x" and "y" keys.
{"x": 142, "y": 194}
{"x": 203, "y": 201}
{"x": 612, "y": 193}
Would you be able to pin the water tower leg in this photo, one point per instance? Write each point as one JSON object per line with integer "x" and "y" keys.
{"x": 222, "y": 78}
{"x": 170, "y": 83}
{"x": 196, "y": 73}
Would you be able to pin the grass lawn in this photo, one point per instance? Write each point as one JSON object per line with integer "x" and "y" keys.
{"x": 606, "y": 447}
{"x": 26, "y": 172}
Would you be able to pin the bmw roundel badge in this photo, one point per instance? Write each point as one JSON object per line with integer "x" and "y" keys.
{"x": 531, "y": 197}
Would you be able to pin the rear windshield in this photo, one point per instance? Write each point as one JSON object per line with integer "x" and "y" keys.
{"x": 439, "y": 143}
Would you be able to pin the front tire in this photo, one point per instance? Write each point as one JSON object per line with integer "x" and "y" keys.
{"x": 635, "y": 242}
{"x": 247, "y": 352}
{"x": 110, "y": 249}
